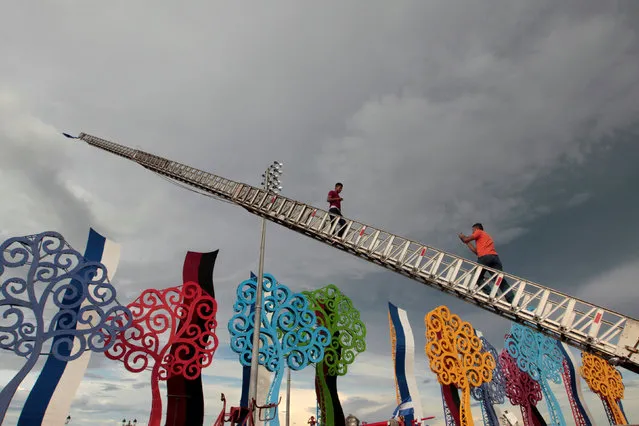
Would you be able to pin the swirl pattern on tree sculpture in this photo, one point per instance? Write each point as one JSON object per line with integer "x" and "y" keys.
{"x": 521, "y": 389}
{"x": 539, "y": 356}
{"x": 456, "y": 355}
{"x": 336, "y": 312}
{"x": 161, "y": 319}
{"x": 494, "y": 391}
{"x": 40, "y": 272}
{"x": 289, "y": 332}
{"x": 604, "y": 380}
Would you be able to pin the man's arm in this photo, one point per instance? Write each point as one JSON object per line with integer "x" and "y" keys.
{"x": 468, "y": 239}
{"x": 472, "y": 247}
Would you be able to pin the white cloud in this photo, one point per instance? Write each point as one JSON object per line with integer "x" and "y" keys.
{"x": 613, "y": 287}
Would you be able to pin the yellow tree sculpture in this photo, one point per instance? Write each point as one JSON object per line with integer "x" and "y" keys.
{"x": 604, "y": 380}
{"x": 456, "y": 356}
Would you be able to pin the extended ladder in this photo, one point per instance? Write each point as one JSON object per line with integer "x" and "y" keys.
{"x": 581, "y": 324}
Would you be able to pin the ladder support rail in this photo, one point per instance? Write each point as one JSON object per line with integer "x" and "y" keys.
{"x": 581, "y": 324}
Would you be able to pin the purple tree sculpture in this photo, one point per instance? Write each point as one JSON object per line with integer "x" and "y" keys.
{"x": 41, "y": 271}
{"x": 493, "y": 392}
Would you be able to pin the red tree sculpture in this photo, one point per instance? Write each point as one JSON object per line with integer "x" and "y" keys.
{"x": 521, "y": 389}
{"x": 162, "y": 318}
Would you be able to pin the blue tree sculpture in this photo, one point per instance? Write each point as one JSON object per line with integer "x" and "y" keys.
{"x": 493, "y": 392}
{"x": 541, "y": 358}
{"x": 289, "y": 334}
{"x": 41, "y": 270}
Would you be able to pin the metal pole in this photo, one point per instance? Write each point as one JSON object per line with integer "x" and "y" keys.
{"x": 257, "y": 321}
{"x": 288, "y": 398}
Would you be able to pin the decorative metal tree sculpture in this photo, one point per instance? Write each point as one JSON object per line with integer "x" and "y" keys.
{"x": 456, "y": 355}
{"x": 604, "y": 380}
{"x": 51, "y": 396}
{"x": 539, "y": 356}
{"x": 336, "y": 312}
{"x": 168, "y": 312}
{"x": 289, "y": 333}
{"x": 492, "y": 392}
{"x": 41, "y": 271}
{"x": 521, "y": 389}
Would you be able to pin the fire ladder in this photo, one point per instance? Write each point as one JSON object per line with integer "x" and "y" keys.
{"x": 586, "y": 326}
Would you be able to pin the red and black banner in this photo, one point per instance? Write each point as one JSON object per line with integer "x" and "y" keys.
{"x": 185, "y": 406}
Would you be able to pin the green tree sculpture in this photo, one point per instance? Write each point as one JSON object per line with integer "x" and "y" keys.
{"x": 336, "y": 312}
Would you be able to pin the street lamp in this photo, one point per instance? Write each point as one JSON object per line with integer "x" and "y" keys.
{"x": 272, "y": 185}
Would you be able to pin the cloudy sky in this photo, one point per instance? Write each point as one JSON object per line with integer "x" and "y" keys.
{"x": 435, "y": 114}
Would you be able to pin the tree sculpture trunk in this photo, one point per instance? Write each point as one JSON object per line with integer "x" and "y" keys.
{"x": 6, "y": 395}
{"x": 156, "y": 400}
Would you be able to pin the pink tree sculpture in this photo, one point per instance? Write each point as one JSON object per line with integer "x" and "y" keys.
{"x": 521, "y": 389}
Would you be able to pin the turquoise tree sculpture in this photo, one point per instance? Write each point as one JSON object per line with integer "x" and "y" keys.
{"x": 289, "y": 333}
{"x": 493, "y": 392}
{"x": 42, "y": 273}
{"x": 348, "y": 333}
{"x": 541, "y": 358}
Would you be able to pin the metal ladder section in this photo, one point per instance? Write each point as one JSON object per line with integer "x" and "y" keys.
{"x": 586, "y": 326}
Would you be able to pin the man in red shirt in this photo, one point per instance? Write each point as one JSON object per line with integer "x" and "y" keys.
{"x": 335, "y": 207}
{"x": 487, "y": 256}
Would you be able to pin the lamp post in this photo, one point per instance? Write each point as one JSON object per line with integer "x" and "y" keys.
{"x": 271, "y": 184}
{"x": 288, "y": 396}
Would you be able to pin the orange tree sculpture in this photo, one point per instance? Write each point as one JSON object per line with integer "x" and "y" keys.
{"x": 456, "y": 355}
{"x": 604, "y": 380}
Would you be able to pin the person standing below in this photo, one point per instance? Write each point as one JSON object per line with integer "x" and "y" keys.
{"x": 487, "y": 256}
{"x": 335, "y": 208}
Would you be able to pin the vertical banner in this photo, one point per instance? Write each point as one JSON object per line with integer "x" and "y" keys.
{"x": 185, "y": 397}
{"x": 493, "y": 392}
{"x": 572, "y": 382}
{"x": 50, "y": 399}
{"x": 450, "y": 404}
{"x": 405, "y": 364}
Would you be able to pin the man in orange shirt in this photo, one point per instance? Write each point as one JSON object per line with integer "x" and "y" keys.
{"x": 487, "y": 256}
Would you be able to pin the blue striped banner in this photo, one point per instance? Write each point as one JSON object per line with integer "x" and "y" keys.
{"x": 405, "y": 364}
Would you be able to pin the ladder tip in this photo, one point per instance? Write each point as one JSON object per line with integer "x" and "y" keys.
{"x": 69, "y": 136}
